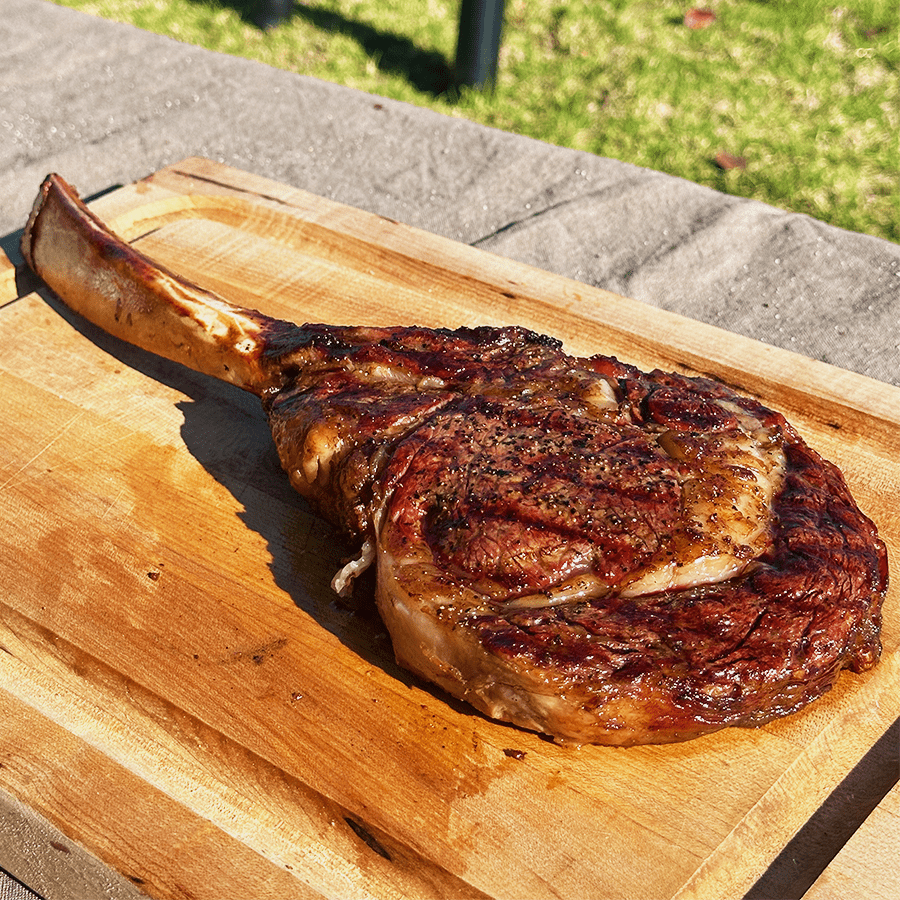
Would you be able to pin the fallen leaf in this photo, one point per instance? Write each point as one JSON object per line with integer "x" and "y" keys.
{"x": 730, "y": 161}
{"x": 699, "y": 18}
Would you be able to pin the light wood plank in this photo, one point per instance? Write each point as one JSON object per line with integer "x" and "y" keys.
{"x": 866, "y": 868}
{"x": 166, "y": 603}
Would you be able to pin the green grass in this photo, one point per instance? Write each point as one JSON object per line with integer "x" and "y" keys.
{"x": 807, "y": 93}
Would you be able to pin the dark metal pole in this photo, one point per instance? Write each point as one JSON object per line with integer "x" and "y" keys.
{"x": 480, "y": 24}
{"x": 269, "y": 13}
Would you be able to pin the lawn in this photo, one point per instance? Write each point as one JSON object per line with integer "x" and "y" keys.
{"x": 792, "y": 102}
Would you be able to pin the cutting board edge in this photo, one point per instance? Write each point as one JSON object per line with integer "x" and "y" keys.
{"x": 694, "y": 323}
{"x": 748, "y": 363}
{"x": 718, "y": 877}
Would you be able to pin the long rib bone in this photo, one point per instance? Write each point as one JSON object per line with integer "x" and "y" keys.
{"x": 136, "y": 299}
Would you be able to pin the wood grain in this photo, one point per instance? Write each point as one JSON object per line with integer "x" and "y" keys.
{"x": 166, "y": 611}
{"x": 866, "y": 866}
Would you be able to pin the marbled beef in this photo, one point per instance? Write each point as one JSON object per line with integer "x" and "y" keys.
{"x": 568, "y": 544}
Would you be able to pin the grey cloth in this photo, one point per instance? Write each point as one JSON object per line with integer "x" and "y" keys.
{"x": 47, "y": 865}
{"x": 10, "y": 889}
{"x": 105, "y": 104}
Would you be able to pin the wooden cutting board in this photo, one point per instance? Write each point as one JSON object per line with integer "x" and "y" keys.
{"x": 868, "y": 858}
{"x": 182, "y": 694}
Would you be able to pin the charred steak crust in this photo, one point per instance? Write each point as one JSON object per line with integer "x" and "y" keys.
{"x": 520, "y": 467}
{"x": 568, "y": 544}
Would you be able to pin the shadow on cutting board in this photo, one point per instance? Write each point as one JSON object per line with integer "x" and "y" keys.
{"x": 806, "y": 855}
{"x": 226, "y": 432}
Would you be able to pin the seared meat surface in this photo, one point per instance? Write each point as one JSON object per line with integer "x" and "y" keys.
{"x": 568, "y": 544}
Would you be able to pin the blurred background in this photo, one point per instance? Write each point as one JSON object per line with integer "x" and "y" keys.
{"x": 792, "y": 102}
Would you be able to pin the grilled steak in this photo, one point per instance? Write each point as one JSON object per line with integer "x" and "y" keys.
{"x": 568, "y": 544}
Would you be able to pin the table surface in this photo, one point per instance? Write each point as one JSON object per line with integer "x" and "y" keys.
{"x": 106, "y": 104}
